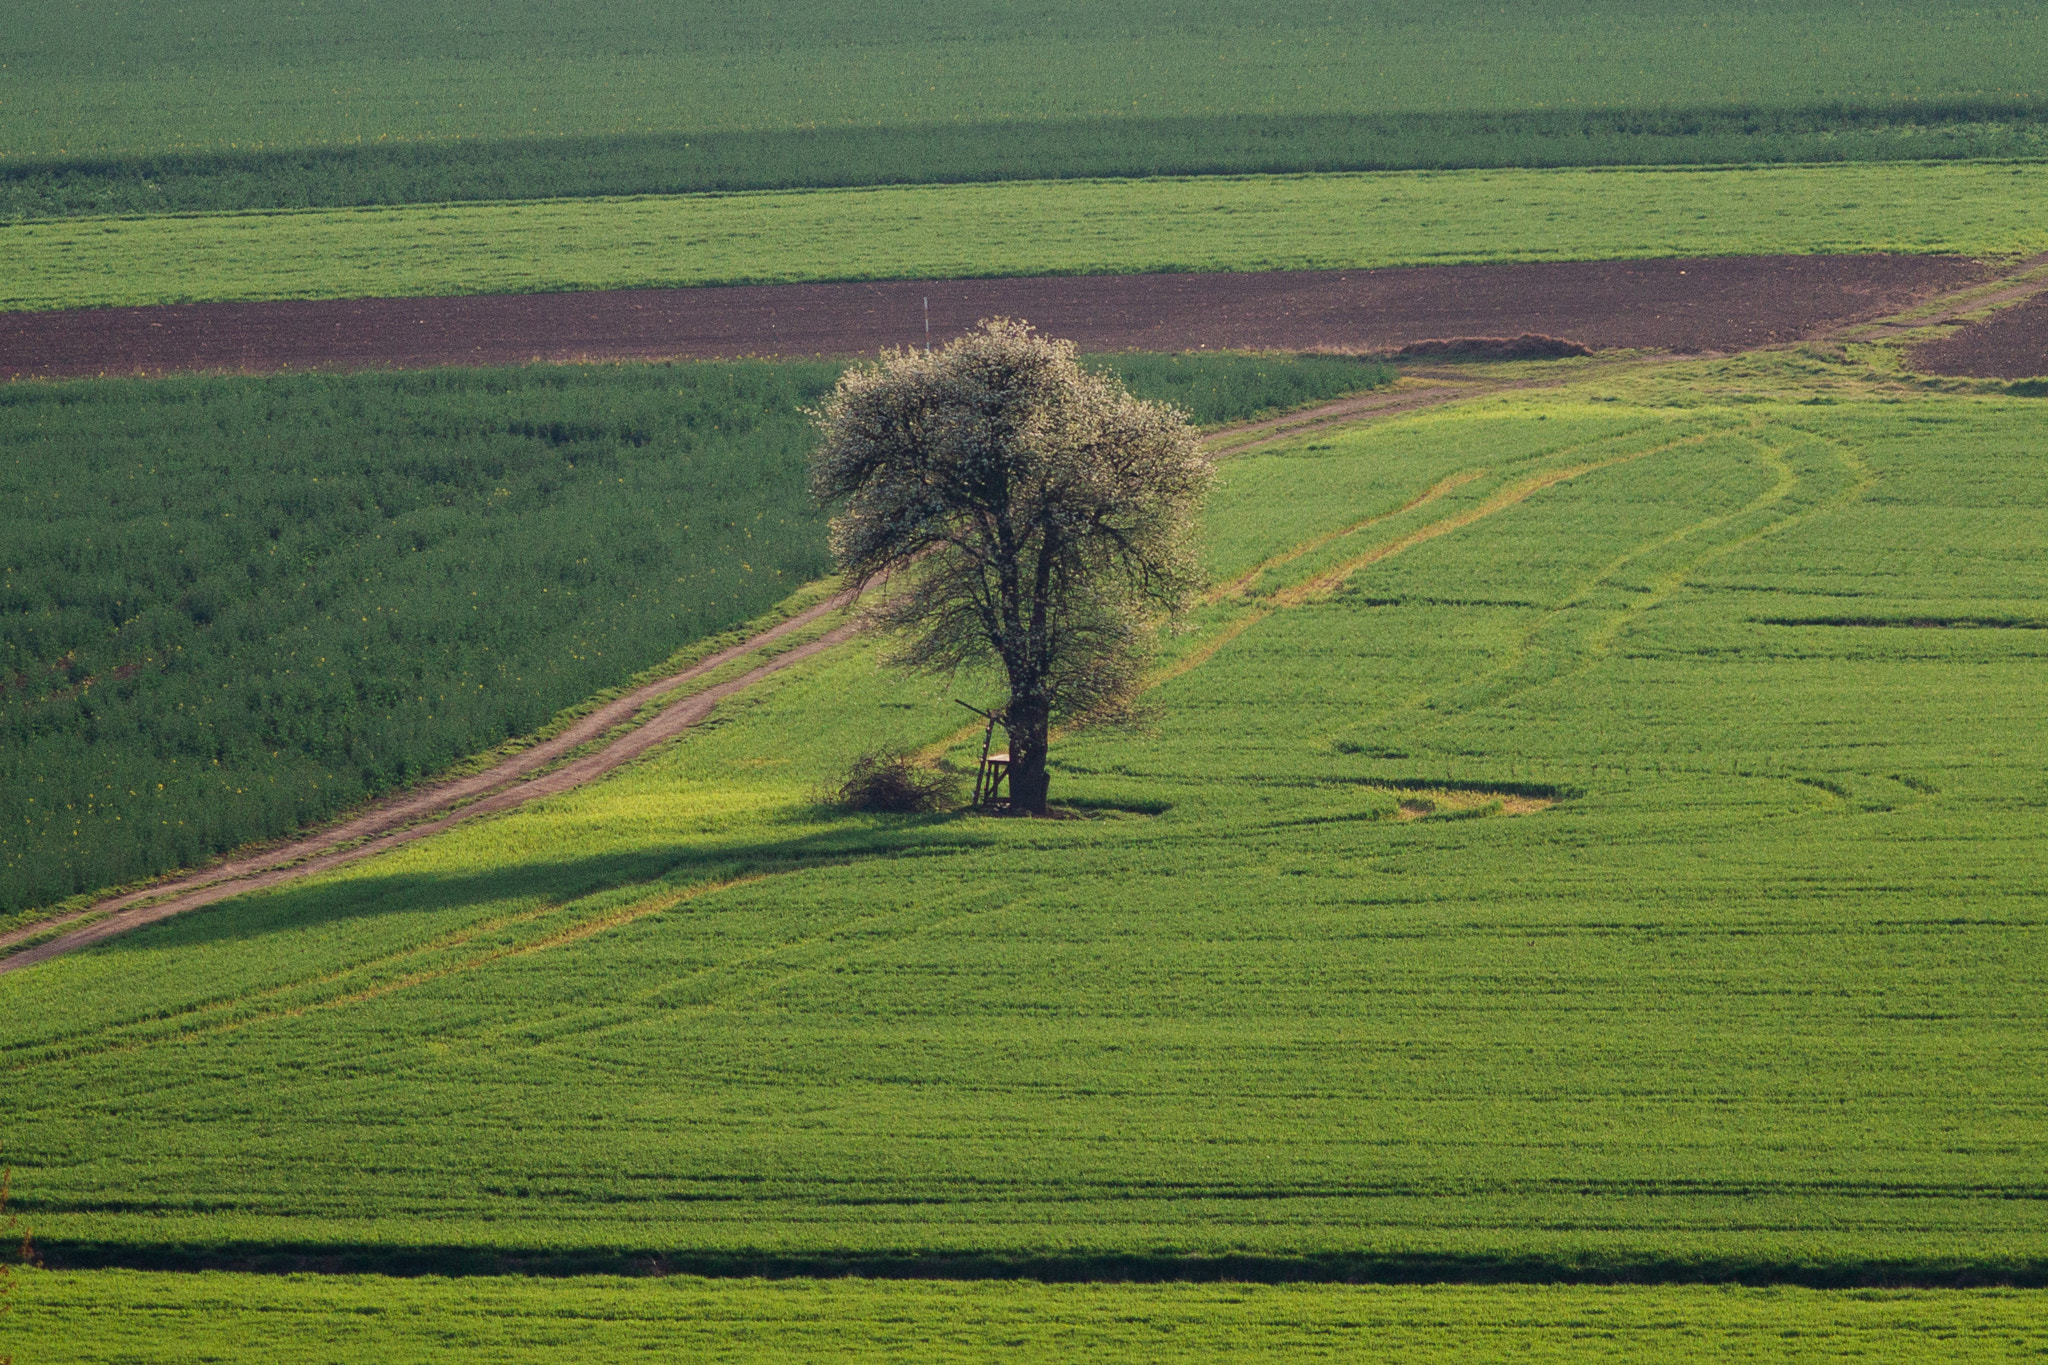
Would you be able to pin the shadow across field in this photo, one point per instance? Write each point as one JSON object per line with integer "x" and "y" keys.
{"x": 558, "y": 882}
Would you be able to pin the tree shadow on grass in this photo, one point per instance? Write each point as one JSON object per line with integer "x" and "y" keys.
{"x": 437, "y": 898}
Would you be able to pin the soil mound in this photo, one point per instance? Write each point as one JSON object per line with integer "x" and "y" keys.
{"x": 1527, "y": 346}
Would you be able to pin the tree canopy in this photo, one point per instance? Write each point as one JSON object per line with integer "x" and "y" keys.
{"x": 1020, "y": 511}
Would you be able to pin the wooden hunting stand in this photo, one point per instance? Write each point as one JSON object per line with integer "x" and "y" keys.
{"x": 994, "y": 767}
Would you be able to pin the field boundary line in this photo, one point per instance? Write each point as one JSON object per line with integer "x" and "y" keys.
{"x": 1437, "y": 389}
{"x": 1232, "y": 441}
{"x": 617, "y": 732}
{"x": 559, "y": 763}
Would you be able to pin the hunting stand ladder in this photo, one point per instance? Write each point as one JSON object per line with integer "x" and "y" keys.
{"x": 994, "y": 767}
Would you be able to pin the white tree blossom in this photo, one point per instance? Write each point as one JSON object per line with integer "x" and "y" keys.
{"x": 1024, "y": 511}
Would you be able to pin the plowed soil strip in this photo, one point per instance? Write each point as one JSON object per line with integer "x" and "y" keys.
{"x": 432, "y": 809}
{"x": 1704, "y": 304}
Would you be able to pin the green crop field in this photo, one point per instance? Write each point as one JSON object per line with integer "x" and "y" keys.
{"x": 236, "y": 104}
{"x": 1086, "y": 227}
{"x": 123, "y": 1316}
{"x": 229, "y": 605}
{"x": 1577, "y": 892}
{"x": 1713, "y": 951}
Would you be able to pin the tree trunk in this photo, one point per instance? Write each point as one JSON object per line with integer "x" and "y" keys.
{"x": 1029, "y": 729}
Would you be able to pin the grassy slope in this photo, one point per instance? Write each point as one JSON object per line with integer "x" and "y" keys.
{"x": 1757, "y": 996}
{"x": 1254, "y": 223}
{"x": 87, "y": 1319}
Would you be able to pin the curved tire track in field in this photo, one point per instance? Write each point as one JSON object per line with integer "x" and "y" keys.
{"x": 529, "y": 774}
{"x": 395, "y": 822}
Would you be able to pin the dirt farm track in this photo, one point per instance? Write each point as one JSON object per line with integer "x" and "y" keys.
{"x": 2012, "y": 344}
{"x": 1708, "y": 305}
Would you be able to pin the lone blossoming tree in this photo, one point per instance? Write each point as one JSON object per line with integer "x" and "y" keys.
{"x": 1024, "y": 512}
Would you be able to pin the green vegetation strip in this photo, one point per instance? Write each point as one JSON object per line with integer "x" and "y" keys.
{"x": 109, "y": 1316}
{"x": 388, "y": 173}
{"x": 1750, "y": 994}
{"x": 1067, "y": 227}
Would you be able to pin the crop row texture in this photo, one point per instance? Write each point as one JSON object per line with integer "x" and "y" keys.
{"x": 1311, "y": 222}
{"x": 110, "y": 1317}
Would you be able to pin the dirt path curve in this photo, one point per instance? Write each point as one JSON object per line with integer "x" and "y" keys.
{"x": 412, "y": 815}
{"x": 1248, "y": 436}
{"x": 431, "y": 809}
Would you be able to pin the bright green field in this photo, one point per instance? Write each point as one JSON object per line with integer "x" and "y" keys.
{"x": 1250, "y": 223}
{"x": 1761, "y": 995}
{"x": 109, "y": 1316}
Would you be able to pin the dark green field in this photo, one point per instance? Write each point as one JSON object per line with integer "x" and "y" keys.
{"x": 231, "y": 104}
{"x": 232, "y": 606}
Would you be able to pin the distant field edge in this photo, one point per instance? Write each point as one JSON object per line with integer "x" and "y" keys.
{"x": 338, "y": 1258}
{"x": 461, "y": 170}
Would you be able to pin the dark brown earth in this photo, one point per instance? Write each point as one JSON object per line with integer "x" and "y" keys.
{"x": 2011, "y": 344}
{"x": 1717, "y": 304}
